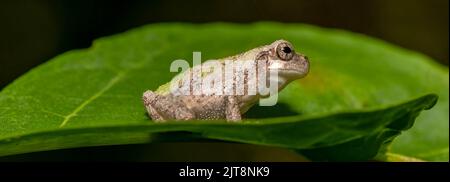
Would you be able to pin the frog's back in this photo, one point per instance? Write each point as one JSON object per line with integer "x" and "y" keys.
{"x": 166, "y": 88}
{"x": 163, "y": 89}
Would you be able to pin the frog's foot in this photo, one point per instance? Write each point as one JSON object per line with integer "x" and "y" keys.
{"x": 154, "y": 114}
{"x": 149, "y": 98}
{"x": 161, "y": 108}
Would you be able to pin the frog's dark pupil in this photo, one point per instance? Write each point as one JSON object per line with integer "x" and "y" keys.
{"x": 287, "y": 50}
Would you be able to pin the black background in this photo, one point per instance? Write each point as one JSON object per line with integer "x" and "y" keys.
{"x": 34, "y": 31}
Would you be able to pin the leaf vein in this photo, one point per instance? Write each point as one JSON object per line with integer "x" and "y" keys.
{"x": 90, "y": 99}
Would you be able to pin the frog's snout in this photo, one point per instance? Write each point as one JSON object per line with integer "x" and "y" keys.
{"x": 305, "y": 64}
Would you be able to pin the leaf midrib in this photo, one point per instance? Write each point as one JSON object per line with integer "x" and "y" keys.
{"x": 110, "y": 84}
{"x": 120, "y": 75}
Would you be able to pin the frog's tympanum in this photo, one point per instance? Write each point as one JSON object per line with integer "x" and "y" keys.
{"x": 166, "y": 103}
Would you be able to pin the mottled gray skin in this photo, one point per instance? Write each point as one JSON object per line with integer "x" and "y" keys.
{"x": 163, "y": 105}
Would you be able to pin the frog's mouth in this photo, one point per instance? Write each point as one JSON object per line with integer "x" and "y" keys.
{"x": 296, "y": 68}
{"x": 292, "y": 73}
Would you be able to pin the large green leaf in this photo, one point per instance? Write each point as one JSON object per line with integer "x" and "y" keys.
{"x": 359, "y": 95}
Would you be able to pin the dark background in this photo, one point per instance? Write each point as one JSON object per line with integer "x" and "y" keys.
{"x": 34, "y": 31}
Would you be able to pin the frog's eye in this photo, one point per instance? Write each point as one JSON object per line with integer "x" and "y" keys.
{"x": 285, "y": 51}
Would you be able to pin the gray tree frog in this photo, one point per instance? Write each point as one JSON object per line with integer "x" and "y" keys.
{"x": 280, "y": 56}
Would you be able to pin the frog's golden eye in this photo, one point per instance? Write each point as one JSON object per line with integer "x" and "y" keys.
{"x": 285, "y": 51}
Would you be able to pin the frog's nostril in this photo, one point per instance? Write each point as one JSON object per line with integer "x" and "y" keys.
{"x": 305, "y": 62}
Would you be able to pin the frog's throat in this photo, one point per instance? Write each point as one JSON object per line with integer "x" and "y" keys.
{"x": 281, "y": 83}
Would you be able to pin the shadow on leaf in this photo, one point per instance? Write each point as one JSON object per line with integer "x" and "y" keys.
{"x": 278, "y": 110}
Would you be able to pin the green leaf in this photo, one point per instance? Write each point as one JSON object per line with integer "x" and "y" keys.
{"x": 359, "y": 95}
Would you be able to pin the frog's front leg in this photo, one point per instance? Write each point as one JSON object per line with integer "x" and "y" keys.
{"x": 232, "y": 111}
{"x": 166, "y": 107}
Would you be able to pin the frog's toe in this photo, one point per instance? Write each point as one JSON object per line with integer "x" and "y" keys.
{"x": 154, "y": 114}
